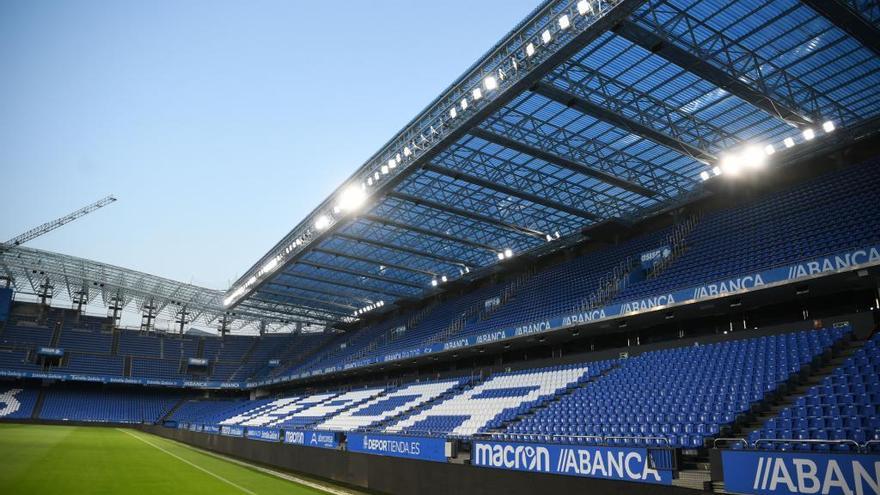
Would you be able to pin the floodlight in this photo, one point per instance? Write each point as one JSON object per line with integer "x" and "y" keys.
{"x": 731, "y": 164}
{"x": 753, "y": 157}
{"x": 453, "y": 113}
{"x": 546, "y": 37}
{"x": 500, "y": 256}
{"x": 584, "y": 7}
{"x": 789, "y": 142}
{"x": 530, "y": 50}
{"x": 384, "y": 169}
{"x": 490, "y": 83}
{"x": 322, "y": 222}
{"x": 477, "y": 93}
{"x": 549, "y": 238}
{"x": 434, "y": 283}
{"x": 406, "y": 151}
{"x": 769, "y": 150}
{"x": 352, "y": 198}
{"x": 828, "y": 126}
{"x": 443, "y": 279}
{"x": 704, "y": 175}
{"x": 809, "y": 134}
{"x": 716, "y": 170}
{"x": 564, "y": 22}
{"x": 464, "y": 104}
{"x": 508, "y": 253}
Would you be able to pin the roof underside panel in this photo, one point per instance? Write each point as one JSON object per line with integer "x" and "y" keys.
{"x": 621, "y": 125}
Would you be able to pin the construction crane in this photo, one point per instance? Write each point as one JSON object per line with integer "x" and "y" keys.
{"x": 58, "y": 222}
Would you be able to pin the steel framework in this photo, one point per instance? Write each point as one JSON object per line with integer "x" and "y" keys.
{"x": 587, "y": 111}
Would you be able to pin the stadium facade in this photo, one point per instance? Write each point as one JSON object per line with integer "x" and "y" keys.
{"x": 634, "y": 247}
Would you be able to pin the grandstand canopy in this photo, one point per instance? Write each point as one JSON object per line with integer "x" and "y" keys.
{"x": 587, "y": 111}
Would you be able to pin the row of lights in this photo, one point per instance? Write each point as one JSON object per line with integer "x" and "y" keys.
{"x": 354, "y": 196}
{"x": 754, "y": 157}
{"x": 368, "y": 308}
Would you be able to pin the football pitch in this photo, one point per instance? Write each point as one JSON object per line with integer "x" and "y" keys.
{"x": 97, "y": 460}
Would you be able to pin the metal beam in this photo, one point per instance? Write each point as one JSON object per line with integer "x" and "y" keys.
{"x": 534, "y": 198}
{"x": 467, "y": 214}
{"x": 402, "y": 249}
{"x": 573, "y": 101}
{"x": 362, "y": 288}
{"x": 841, "y": 13}
{"x": 429, "y": 233}
{"x": 690, "y": 62}
{"x": 316, "y": 291}
{"x": 561, "y": 161}
{"x": 333, "y": 252}
{"x": 292, "y": 311}
{"x": 356, "y": 273}
{"x": 309, "y": 299}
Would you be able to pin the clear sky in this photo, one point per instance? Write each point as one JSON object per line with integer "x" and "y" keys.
{"x": 218, "y": 124}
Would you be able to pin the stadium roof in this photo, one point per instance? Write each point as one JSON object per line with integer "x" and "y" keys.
{"x": 587, "y": 111}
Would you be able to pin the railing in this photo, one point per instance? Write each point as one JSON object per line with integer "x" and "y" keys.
{"x": 860, "y": 447}
{"x": 677, "y": 244}
{"x": 594, "y": 439}
{"x": 609, "y": 285}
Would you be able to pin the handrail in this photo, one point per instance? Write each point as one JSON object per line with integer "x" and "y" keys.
{"x": 729, "y": 439}
{"x": 810, "y": 440}
{"x": 603, "y": 439}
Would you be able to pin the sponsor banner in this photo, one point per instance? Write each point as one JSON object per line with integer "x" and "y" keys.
{"x": 309, "y": 438}
{"x": 232, "y": 430}
{"x": 273, "y": 363}
{"x": 119, "y": 379}
{"x": 613, "y": 463}
{"x": 182, "y": 426}
{"x": 263, "y": 434}
{"x": 422, "y": 448}
{"x": 785, "y": 473}
{"x": 212, "y": 429}
{"x": 50, "y": 351}
{"x": 650, "y": 258}
{"x": 197, "y": 362}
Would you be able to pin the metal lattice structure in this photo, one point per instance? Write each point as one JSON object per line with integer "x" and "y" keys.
{"x": 58, "y": 222}
{"x": 587, "y": 111}
{"x": 47, "y": 274}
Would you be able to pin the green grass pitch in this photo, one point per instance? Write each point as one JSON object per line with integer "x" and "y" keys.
{"x": 95, "y": 460}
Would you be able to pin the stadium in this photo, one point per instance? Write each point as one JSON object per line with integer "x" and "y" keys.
{"x": 634, "y": 248}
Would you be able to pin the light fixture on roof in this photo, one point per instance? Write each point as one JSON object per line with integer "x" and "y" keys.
{"x": 464, "y": 104}
{"x": 809, "y": 134}
{"x": 434, "y": 283}
{"x": 556, "y": 234}
{"x": 322, "y": 222}
{"x": 564, "y": 22}
{"x": 443, "y": 279}
{"x": 490, "y": 83}
{"x": 549, "y": 238}
{"x": 384, "y": 169}
{"x": 546, "y": 37}
{"x": 453, "y": 113}
{"x": 369, "y": 181}
{"x": 406, "y": 151}
{"x": 716, "y": 170}
{"x": 788, "y": 142}
{"x": 584, "y": 7}
{"x": 508, "y": 253}
{"x": 392, "y": 163}
{"x": 704, "y": 175}
{"x": 352, "y": 198}
{"x": 828, "y": 126}
{"x": 477, "y": 93}
{"x": 530, "y": 50}
{"x": 769, "y": 150}
{"x": 500, "y": 255}
{"x": 731, "y": 164}
{"x": 753, "y": 157}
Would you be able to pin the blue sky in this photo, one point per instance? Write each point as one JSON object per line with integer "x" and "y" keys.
{"x": 218, "y": 124}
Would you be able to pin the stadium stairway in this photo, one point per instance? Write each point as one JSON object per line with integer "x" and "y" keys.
{"x": 797, "y": 387}
{"x": 114, "y": 343}
{"x": 38, "y": 406}
{"x": 183, "y": 400}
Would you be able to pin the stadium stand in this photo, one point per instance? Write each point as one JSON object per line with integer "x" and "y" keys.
{"x": 102, "y": 406}
{"x": 17, "y": 403}
{"x": 842, "y": 409}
